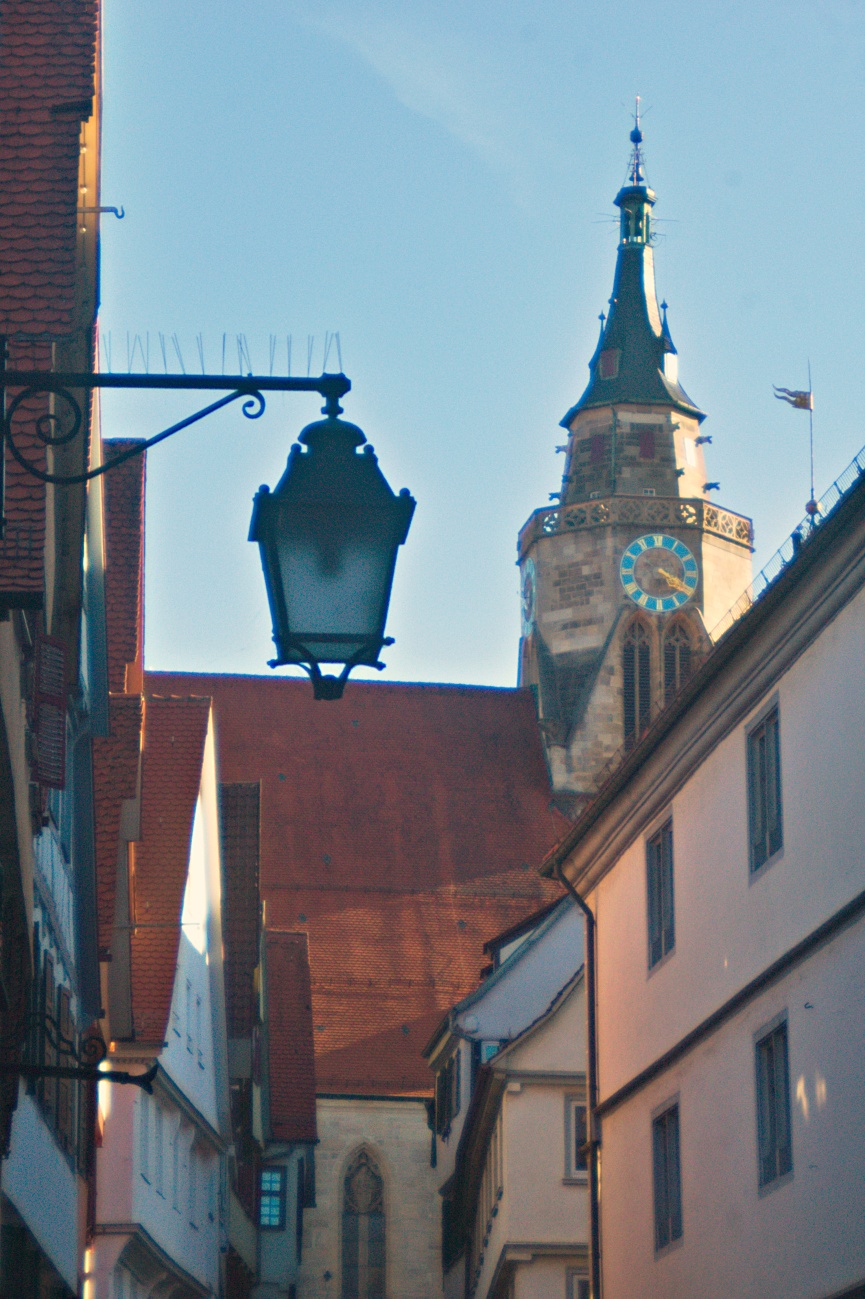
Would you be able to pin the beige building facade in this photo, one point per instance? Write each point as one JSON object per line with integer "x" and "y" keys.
{"x": 724, "y": 869}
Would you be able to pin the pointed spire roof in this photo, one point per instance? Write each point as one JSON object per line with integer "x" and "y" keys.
{"x": 635, "y": 359}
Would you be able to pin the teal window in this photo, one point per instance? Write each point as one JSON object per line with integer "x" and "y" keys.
{"x": 271, "y": 1203}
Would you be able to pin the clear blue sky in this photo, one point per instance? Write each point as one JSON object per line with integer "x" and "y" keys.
{"x": 435, "y": 182}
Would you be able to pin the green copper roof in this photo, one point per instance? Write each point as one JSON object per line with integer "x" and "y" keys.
{"x": 635, "y": 360}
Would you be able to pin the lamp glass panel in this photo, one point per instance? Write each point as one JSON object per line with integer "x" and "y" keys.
{"x": 338, "y": 588}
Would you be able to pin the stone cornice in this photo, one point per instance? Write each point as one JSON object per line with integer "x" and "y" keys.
{"x": 650, "y": 512}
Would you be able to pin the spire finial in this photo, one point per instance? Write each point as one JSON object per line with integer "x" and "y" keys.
{"x": 636, "y": 174}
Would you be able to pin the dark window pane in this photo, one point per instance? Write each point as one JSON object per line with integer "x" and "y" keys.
{"x": 764, "y": 790}
{"x": 659, "y": 890}
{"x": 773, "y": 1106}
{"x": 667, "y": 1178}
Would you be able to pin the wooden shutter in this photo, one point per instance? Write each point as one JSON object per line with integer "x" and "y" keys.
{"x": 49, "y": 1054}
{"x": 50, "y": 712}
{"x": 65, "y": 1127}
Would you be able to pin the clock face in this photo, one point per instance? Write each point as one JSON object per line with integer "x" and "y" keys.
{"x": 527, "y": 597}
{"x": 659, "y": 573}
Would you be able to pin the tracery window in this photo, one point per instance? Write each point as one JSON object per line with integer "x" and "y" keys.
{"x": 678, "y": 660}
{"x": 363, "y": 1230}
{"x": 637, "y": 679}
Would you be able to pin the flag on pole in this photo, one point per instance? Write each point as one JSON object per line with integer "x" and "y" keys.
{"x": 801, "y": 400}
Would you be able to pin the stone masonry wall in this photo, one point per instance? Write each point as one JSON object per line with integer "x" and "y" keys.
{"x": 396, "y": 1134}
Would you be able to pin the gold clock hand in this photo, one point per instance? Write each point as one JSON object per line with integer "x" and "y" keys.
{"x": 676, "y": 583}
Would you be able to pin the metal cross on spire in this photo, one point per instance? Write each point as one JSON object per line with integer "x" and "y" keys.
{"x": 636, "y": 173}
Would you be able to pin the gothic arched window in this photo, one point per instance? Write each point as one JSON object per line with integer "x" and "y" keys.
{"x": 637, "y": 676}
{"x": 678, "y": 660}
{"x": 363, "y": 1244}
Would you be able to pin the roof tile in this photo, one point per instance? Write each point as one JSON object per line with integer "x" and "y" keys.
{"x": 400, "y": 829}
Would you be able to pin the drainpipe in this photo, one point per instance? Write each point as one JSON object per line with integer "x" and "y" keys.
{"x": 592, "y": 1045}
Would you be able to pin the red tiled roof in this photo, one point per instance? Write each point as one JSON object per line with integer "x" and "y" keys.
{"x": 174, "y": 735}
{"x": 47, "y": 66}
{"x": 124, "y": 567}
{"x": 291, "y": 1072}
{"x": 400, "y": 828}
{"x": 115, "y": 778}
{"x": 238, "y": 835}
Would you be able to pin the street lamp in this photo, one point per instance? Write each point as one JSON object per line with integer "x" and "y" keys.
{"x": 328, "y": 537}
{"x": 328, "y": 534}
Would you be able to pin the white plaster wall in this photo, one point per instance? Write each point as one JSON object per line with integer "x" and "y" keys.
{"x": 543, "y": 1278}
{"x": 729, "y": 926}
{"x": 36, "y": 1163}
{"x": 396, "y": 1132}
{"x": 519, "y": 993}
{"x": 801, "y": 1239}
{"x": 193, "y": 1245}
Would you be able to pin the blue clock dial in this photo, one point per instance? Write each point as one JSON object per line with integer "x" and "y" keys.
{"x": 659, "y": 573}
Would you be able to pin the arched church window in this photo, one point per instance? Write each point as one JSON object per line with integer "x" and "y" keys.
{"x": 363, "y": 1242}
{"x": 637, "y": 675}
{"x": 678, "y": 660}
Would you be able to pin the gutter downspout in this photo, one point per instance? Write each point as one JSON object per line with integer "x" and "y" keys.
{"x": 592, "y": 1035}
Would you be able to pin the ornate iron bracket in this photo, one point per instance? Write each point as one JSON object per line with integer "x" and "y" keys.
{"x": 87, "y": 1056}
{"x": 56, "y": 428}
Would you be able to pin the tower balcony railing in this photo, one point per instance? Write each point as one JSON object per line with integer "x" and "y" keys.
{"x": 640, "y": 511}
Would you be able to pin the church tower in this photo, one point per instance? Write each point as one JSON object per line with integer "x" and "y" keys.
{"x": 625, "y": 578}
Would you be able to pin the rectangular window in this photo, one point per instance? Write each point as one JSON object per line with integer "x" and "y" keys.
{"x": 175, "y": 1169}
{"x": 773, "y": 1106}
{"x": 596, "y": 449}
{"x": 667, "y": 1177}
{"x": 576, "y": 1136}
{"x": 158, "y": 1151}
{"x": 198, "y": 1037}
{"x": 298, "y": 1232}
{"x": 66, "y": 1056}
{"x": 189, "y": 1016}
{"x": 577, "y": 1286}
{"x": 271, "y": 1204}
{"x": 764, "y": 790}
{"x": 659, "y": 886}
{"x": 192, "y": 1199}
{"x": 144, "y": 1104}
{"x": 647, "y": 444}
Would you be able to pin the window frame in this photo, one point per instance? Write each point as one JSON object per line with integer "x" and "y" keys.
{"x": 752, "y": 731}
{"x": 763, "y": 1035}
{"x": 655, "y": 900}
{"x": 280, "y": 1195}
{"x": 575, "y": 1101}
{"x": 674, "y": 1238}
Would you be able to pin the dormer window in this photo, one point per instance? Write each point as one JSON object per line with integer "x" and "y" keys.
{"x": 608, "y": 363}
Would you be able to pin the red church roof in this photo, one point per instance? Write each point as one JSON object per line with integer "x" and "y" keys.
{"x": 400, "y": 828}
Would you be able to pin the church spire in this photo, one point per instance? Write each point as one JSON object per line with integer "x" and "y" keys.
{"x": 635, "y": 360}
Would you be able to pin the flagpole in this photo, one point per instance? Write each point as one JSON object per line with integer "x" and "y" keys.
{"x": 811, "y": 507}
